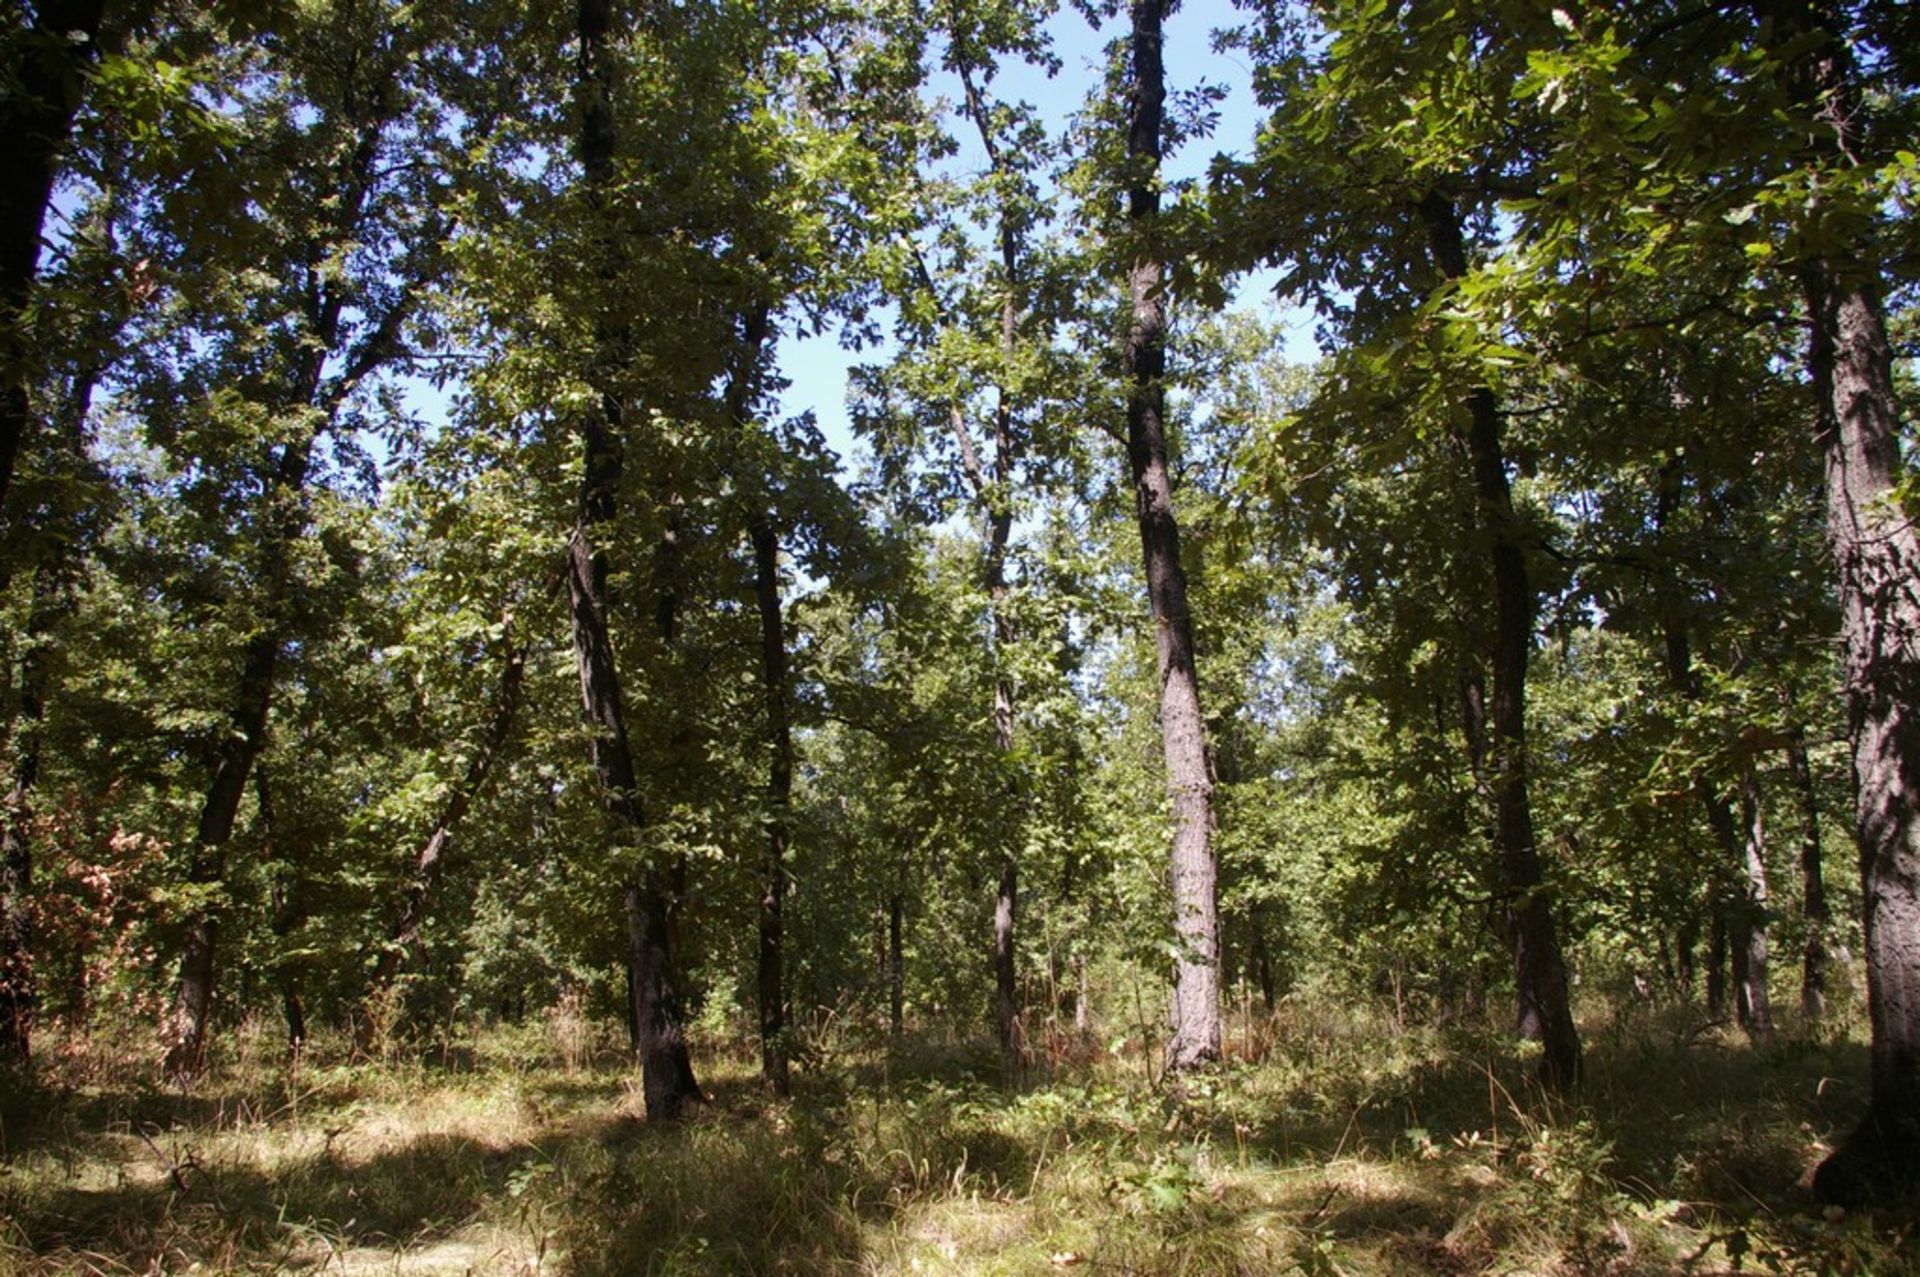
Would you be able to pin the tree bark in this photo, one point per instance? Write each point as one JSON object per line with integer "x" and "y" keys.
{"x": 896, "y": 967}
{"x": 45, "y": 82}
{"x": 404, "y": 935}
{"x": 1544, "y": 1013}
{"x": 655, "y": 1013}
{"x": 1194, "y": 871}
{"x": 1876, "y": 553}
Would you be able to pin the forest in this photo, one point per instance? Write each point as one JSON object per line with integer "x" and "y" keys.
{"x": 969, "y": 636}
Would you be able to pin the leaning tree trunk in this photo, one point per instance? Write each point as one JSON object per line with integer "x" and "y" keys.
{"x": 1195, "y": 1040}
{"x": 655, "y": 1012}
{"x": 1544, "y": 1013}
{"x": 404, "y": 935}
{"x": 44, "y": 85}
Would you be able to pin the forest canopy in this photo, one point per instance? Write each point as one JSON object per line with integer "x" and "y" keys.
{"x": 427, "y": 602}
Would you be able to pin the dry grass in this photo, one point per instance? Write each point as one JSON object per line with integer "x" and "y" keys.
{"x": 1350, "y": 1152}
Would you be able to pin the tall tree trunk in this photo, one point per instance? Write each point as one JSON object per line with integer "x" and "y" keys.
{"x": 1196, "y": 1037}
{"x": 1813, "y": 884}
{"x": 1716, "y": 955}
{"x": 743, "y": 386}
{"x": 655, "y": 1013}
{"x": 1544, "y": 1013}
{"x": 773, "y": 879}
{"x": 19, "y": 994}
{"x": 404, "y": 935}
{"x": 44, "y": 83}
{"x": 1876, "y": 552}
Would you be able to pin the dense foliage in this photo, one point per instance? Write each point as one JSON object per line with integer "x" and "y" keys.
{"x": 424, "y": 602}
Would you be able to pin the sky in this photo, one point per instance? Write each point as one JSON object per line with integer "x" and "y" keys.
{"x": 816, "y": 367}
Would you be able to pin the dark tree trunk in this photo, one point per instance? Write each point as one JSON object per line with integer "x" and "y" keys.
{"x": 404, "y": 935}
{"x": 19, "y": 994}
{"x": 193, "y": 1001}
{"x": 763, "y": 533}
{"x": 287, "y": 915}
{"x": 1876, "y": 552}
{"x": 655, "y": 1013}
{"x": 1813, "y": 890}
{"x": 1716, "y": 956}
{"x": 1544, "y": 1012}
{"x": 896, "y": 967}
{"x": 44, "y": 84}
{"x": 995, "y": 497}
{"x": 1194, "y": 871}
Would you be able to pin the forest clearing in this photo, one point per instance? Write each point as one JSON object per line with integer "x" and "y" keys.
{"x": 887, "y": 636}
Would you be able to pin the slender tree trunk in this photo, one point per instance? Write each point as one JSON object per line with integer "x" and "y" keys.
{"x": 404, "y": 935}
{"x": 44, "y": 86}
{"x": 773, "y": 886}
{"x": 1751, "y": 1002}
{"x": 655, "y": 1013}
{"x": 286, "y": 915}
{"x": 19, "y": 993}
{"x": 896, "y": 967}
{"x": 1716, "y": 956}
{"x": 1196, "y": 1037}
{"x": 1545, "y": 1012}
{"x": 193, "y": 1000}
{"x": 1813, "y": 889}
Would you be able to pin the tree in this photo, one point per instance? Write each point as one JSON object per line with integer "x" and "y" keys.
{"x": 1195, "y": 1040}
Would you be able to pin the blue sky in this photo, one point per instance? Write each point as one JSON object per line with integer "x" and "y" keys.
{"x": 817, "y": 367}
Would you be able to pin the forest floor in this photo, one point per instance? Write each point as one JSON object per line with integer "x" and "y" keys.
{"x": 1342, "y": 1149}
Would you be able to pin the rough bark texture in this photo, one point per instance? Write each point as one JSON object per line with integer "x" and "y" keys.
{"x": 1195, "y": 1040}
{"x": 1544, "y": 1013}
{"x": 655, "y": 1012}
{"x": 45, "y": 79}
{"x": 1813, "y": 882}
{"x": 1877, "y": 553}
{"x": 404, "y": 935}
{"x": 1877, "y": 556}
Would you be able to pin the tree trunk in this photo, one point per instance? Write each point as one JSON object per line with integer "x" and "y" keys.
{"x": 1877, "y": 553}
{"x": 1544, "y": 1012}
{"x": 1751, "y": 1003}
{"x": 44, "y": 87}
{"x": 1716, "y": 956}
{"x": 1813, "y": 890}
{"x": 655, "y": 1013}
{"x": 19, "y": 993}
{"x": 896, "y": 968}
{"x": 773, "y": 884}
{"x": 186, "y": 1034}
{"x": 1194, "y": 871}
{"x": 404, "y": 935}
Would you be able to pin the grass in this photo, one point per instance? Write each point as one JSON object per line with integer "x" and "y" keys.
{"x": 1347, "y": 1150}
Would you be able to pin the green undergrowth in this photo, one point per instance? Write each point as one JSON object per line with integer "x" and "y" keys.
{"x": 1343, "y": 1149}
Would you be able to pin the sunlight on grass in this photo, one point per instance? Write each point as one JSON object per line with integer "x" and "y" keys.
{"x": 1388, "y": 1155}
